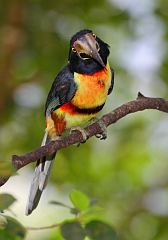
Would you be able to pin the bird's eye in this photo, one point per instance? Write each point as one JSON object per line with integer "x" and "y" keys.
{"x": 94, "y": 35}
{"x": 73, "y": 49}
{"x": 84, "y": 56}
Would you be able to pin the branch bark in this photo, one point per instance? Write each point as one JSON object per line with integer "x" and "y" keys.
{"x": 140, "y": 104}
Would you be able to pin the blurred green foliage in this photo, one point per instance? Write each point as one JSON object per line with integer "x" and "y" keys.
{"x": 127, "y": 173}
{"x": 78, "y": 228}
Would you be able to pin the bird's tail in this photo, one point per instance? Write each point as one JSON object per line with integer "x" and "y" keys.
{"x": 41, "y": 174}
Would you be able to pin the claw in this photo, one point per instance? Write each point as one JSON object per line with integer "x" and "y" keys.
{"x": 56, "y": 138}
{"x": 82, "y": 131}
{"x": 93, "y": 120}
{"x": 103, "y": 134}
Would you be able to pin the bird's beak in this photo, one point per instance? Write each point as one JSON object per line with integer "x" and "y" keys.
{"x": 96, "y": 56}
{"x": 88, "y": 45}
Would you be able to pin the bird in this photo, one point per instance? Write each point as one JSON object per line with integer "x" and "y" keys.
{"x": 77, "y": 94}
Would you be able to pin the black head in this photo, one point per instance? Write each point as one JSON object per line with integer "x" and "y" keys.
{"x": 88, "y": 53}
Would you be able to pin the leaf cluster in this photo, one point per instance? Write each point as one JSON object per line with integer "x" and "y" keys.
{"x": 85, "y": 224}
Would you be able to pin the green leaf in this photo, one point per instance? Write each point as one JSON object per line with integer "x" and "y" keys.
{"x": 6, "y": 200}
{"x": 13, "y": 230}
{"x": 79, "y": 200}
{"x": 72, "y": 231}
{"x": 98, "y": 230}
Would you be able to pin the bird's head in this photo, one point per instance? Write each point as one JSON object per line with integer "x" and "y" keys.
{"x": 87, "y": 53}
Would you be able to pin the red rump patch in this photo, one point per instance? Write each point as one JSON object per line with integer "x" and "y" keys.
{"x": 59, "y": 123}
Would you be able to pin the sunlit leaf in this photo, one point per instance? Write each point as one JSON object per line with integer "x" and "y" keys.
{"x": 13, "y": 230}
{"x": 79, "y": 200}
{"x": 72, "y": 231}
{"x": 98, "y": 230}
{"x": 6, "y": 200}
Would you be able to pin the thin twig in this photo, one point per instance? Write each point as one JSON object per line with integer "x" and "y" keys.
{"x": 43, "y": 228}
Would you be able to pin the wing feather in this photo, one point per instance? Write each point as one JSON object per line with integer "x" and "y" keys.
{"x": 112, "y": 82}
{"x": 62, "y": 90}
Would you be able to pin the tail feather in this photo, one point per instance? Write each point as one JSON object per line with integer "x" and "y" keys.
{"x": 46, "y": 171}
{"x": 41, "y": 174}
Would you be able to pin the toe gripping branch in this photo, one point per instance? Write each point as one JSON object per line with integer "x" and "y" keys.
{"x": 103, "y": 129}
{"x": 103, "y": 134}
{"x": 83, "y": 133}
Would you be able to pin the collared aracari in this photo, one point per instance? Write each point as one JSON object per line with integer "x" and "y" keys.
{"x": 77, "y": 94}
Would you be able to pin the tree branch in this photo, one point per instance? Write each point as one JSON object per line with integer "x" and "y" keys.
{"x": 140, "y": 104}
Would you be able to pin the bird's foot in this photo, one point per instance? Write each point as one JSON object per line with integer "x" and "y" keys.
{"x": 56, "y": 138}
{"x": 82, "y": 131}
{"x": 103, "y": 134}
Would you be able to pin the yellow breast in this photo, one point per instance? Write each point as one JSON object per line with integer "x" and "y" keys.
{"x": 92, "y": 89}
{"x": 92, "y": 92}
